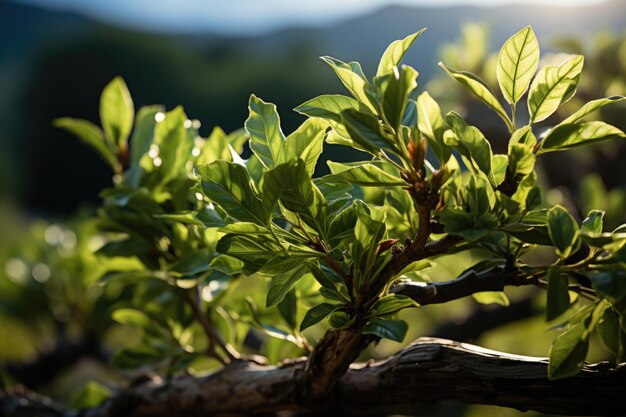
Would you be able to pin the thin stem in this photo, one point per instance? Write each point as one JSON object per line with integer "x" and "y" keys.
{"x": 513, "y": 117}
{"x": 387, "y": 158}
{"x": 192, "y": 298}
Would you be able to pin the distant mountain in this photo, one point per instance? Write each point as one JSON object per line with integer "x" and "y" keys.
{"x": 55, "y": 64}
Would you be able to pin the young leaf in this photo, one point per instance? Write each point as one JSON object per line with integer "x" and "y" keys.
{"x": 134, "y": 357}
{"x": 229, "y": 185}
{"x": 388, "y": 329}
{"x": 521, "y": 159}
{"x": 568, "y": 352}
{"x": 292, "y": 270}
{"x": 612, "y": 333}
{"x": 558, "y": 294}
{"x": 566, "y": 136}
{"x": 263, "y": 126}
{"x": 90, "y": 395}
{"x": 590, "y": 107}
{"x": 288, "y": 308}
{"x": 552, "y": 87}
{"x": 317, "y": 314}
{"x": 394, "y": 53}
{"x": 392, "y": 303}
{"x": 330, "y": 106}
{"x": 116, "y": 112}
{"x": 470, "y": 143}
{"x": 273, "y": 184}
{"x": 492, "y": 297}
{"x": 304, "y": 143}
{"x": 131, "y": 317}
{"x": 174, "y": 143}
{"x": 143, "y": 133}
{"x": 302, "y": 197}
{"x": 523, "y": 136}
{"x": 480, "y": 89}
{"x": 396, "y": 89}
{"x": 431, "y": 124}
{"x": 92, "y": 136}
{"x": 563, "y": 230}
{"x": 352, "y": 77}
{"x": 366, "y": 132}
{"x": 593, "y": 222}
{"x": 517, "y": 63}
{"x": 342, "y": 225}
{"x": 368, "y": 175}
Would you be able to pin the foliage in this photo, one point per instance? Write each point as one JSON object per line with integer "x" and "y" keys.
{"x": 218, "y": 247}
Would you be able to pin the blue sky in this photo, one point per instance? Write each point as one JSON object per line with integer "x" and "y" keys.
{"x": 245, "y": 16}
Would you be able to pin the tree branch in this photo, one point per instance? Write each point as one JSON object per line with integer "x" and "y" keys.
{"x": 494, "y": 279}
{"x": 429, "y": 370}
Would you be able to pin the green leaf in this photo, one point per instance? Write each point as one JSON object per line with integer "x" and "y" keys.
{"x": 249, "y": 249}
{"x": 566, "y": 136}
{"x": 143, "y": 133}
{"x": 302, "y": 197}
{"x": 288, "y": 308}
{"x": 613, "y": 334}
{"x": 432, "y": 126}
{"x": 521, "y": 159}
{"x": 92, "y": 136}
{"x": 563, "y": 230}
{"x": 480, "y": 89}
{"x": 387, "y": 329}
{"x": 116, "y": 112}
{"x": 352, "y": 77}
{"x": 90, "y": 395}
{"x": 558, "y": 294}
{"x": 395, "y": 52}
{"x": 192, "y": 264}
{"x": 330, "y": 106}
{"x": 304, "y": 143}
{"x": 273, "y": 184}
{"x": 470, "y": 143}
{"x": 131, "y": 317}
{"x": 220, "y": 145}
{"x": 568, "y": 352}
{"x": 263, "y": 126}
{"x": 367, "y": 174}
{"x": 342, "y": 225}
{"x": 552, "y": 87}
{"x": 517, "y": 63}
{"x": 173, "y": 143}
{"x": 285, "y": 273}
{"x": 523, "y": 136}
{"x": 395, "y": 90}
{"x": 593, "y": 222}
{"x": 590, "y": 107}
{"x": 391, "y": 303}
{"x": 366, "y": 132}
{"x": 317, "y": 314}
{"x": 492, "y": 297}
{"x": 229, "y": 185}
{"x": 137, "y": 356}
{"x": 326, "y": 277}
{"x": 611, "y": 285}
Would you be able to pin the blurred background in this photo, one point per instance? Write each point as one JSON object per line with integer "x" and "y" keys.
{"x": 57, "y": 55}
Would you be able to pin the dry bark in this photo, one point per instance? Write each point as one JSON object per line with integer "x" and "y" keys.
{"x": 430, "y": 370}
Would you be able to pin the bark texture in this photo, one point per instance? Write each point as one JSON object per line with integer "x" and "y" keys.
{"x": 429, "y": 370}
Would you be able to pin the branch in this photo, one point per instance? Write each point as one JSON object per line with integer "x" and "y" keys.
{"x": 193, "y": 299}
{"x": 429, "y": 370}
{"x": 472, "y": 282}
